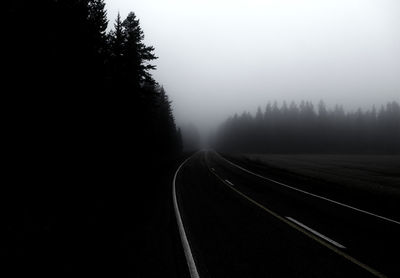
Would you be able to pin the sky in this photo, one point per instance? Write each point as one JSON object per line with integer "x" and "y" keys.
{"x": 220, "y": 57}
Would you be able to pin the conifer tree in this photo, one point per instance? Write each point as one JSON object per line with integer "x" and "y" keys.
{"x": 97, "y": 17}
{"x": 137, "y": 54}
{"x": 116, "y": 43}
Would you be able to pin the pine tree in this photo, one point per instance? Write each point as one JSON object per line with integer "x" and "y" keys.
{"x": 137, "y": 54}
{"x": 98, "y": 22}
{"x": 97, "y": 39}
{"x": 116, "y": 43}
{"x": 98, "y": 17}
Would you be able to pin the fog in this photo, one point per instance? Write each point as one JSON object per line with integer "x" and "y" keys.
{"x": 219, "y": 57}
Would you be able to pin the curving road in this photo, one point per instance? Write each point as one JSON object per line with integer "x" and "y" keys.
{"x": 235, "y": 222}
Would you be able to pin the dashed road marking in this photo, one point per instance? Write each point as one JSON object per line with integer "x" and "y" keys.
{"x": 308, "y": 193}
{"x": 228, "y": 182}
{"x": 316, "y": 233}
{"x": 304, "y": 231}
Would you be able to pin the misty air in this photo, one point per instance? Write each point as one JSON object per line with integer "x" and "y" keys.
{"x": 189, "y": 138}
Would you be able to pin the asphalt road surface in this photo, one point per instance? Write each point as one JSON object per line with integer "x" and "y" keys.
{"x": 239, "y": 223}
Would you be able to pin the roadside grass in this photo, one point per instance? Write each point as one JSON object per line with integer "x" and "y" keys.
{"x": 373, "y": 173}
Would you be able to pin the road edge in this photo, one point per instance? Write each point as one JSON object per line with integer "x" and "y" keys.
{"x": 185, "y": 242}
{"x": 309, "y": 193}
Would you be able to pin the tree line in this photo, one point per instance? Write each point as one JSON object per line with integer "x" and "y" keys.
{"x": 70, "y": 80}
{"x": 87, "y": 136}
{"x": 304, "y": 128}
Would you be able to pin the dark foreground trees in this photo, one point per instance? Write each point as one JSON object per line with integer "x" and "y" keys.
{"x": 304, "y": 129}
{"x": 71, "y": 78}
{"x": 87, "y": 134}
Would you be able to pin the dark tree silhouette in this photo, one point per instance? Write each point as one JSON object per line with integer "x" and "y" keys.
{"x": 116, "y": 42}
{"x": 142, "y": 103}
{"x": 302, "y": 129}
{"x": 137, "y": 54}
{"x": 97, "y": 17}
{"x": 85, "y": 123}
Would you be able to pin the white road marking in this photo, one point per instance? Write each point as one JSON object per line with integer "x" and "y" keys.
{"x": 228, "y": 182}
{"x": 186, "y": 247}
{"x": 311, "y": 194}
{"x": 316, "y": 233}
{"x": 213, "y": 169}
{"x": 307, "y": 233}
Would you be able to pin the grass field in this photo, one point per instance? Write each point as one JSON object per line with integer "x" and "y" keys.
{"x": 373, "y": 173}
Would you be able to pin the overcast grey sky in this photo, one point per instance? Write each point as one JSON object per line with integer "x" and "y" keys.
{"x": 218, "y": 57}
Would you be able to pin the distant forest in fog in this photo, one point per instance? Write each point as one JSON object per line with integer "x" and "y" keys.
{"x": 302, "y": 128}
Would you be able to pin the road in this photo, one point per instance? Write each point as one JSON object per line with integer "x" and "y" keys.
{"x": 238, "y": 223}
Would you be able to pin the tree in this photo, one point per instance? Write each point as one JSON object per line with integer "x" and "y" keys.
{"x": 137, "y": 54}
{"x": 300, "y": 129}
{"x": 166, "y": 125}
{"x": 97, "y": 21}
{"x": 73, "y": 137}
{"x": 116, "y": 42}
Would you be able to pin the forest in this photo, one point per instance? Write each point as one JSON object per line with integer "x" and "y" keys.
{"x": 90, "y": 143}
{"x": 72, "y": 83}
{"x": 85, "y": 126}
{"x": 304, "y": 128}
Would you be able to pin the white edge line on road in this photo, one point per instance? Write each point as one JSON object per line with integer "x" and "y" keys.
{"x": 306, "y": 232}
{"x": 228, "y": 182}
{"x": 186, "y": 247}
{"x": 308, "y": 193}
{"x": 316, "y": 233}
